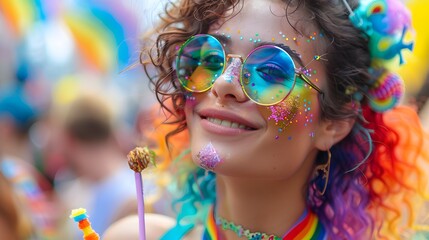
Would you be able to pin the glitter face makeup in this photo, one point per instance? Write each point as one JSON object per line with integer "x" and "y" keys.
{"x": 281, "y": 37}
{"x": 232, "y": 116}
{"x": 284, "y": 113}
{"x": 233, "y": 70}
{"x": 189, "y": 96}
{"x": 294, "y": 110}
{"x": 208, "y": 157}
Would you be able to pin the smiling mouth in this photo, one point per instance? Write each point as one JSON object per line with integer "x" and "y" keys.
{"x": 227, "y": 123}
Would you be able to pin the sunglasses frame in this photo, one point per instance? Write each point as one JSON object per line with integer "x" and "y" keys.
{"x": 298, "y": 73}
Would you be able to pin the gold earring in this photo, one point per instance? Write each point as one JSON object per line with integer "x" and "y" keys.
{"x": 325, "y": 169}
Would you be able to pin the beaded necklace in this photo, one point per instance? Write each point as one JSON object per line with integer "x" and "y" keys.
{"x": 308, "y": 227}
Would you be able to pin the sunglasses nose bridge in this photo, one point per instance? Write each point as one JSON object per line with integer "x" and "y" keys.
{"x": 230, "y": 61}
{"x": 227, "y": 86}
{"x": 230, "y": 57}
{"x": 233, "y": 66}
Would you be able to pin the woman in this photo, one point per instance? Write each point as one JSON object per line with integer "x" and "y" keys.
{"x": 290, "y": 141}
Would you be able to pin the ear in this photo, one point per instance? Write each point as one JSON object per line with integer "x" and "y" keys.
{"x": 331, "y": 132}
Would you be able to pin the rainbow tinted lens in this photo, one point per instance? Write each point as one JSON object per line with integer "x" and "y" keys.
{"x": 200, "y": 62}
{"x": 268, "y": 75}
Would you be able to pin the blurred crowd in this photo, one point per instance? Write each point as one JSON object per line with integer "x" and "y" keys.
{"x": 74, "y": 101}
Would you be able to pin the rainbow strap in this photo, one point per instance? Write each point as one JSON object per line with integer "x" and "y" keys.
{"x": 211, "y": 231}
{"x": 307, "y": 228}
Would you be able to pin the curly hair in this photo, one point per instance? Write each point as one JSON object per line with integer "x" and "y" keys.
{"x": 366, "y": 172}
{"x": 347, "y": 65}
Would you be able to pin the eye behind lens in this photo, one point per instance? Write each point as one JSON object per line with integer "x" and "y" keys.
{"x": 199, "y": 62}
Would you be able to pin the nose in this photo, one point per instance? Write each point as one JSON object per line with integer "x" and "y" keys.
{"x": 227, "y": 86}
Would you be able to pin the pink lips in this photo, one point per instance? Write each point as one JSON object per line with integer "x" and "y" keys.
{"x": 239, "y": 124}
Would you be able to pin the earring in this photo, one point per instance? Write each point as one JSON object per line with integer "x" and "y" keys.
{"x": 324, "y": 168}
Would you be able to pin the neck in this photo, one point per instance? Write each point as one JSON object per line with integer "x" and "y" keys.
{"x": 253, "y": 205}
{"x": 271, "y": 207}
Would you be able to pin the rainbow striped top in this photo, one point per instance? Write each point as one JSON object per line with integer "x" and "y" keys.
{"x": 308, "y": 227}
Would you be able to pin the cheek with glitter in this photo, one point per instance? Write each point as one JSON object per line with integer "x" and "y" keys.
{"x": 208, "y": 157}
{"x": 283, "y": 113}
{"x": 295, "y": 110}
{"x": 233, "y": 70}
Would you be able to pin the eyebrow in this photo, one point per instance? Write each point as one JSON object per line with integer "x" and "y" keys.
{"x": 222, "y": 38}
{"x": 297, "y": 57}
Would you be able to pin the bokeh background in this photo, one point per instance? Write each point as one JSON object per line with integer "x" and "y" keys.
{"x": 73, "y": 100}
{"x": 68, "y": 65}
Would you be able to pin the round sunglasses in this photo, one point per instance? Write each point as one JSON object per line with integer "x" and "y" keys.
{"x": 267, "y": 74}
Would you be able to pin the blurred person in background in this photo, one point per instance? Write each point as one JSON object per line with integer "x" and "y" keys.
{"x": 27, "y": 201}
{"x": 17, "y": 115}
{"x": 97, "y": 176}
{"x": 14, "y": 223}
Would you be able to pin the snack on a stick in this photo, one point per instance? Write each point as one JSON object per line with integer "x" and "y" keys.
{"x": 79, "y": 216}
{"x": 140, "y": 157}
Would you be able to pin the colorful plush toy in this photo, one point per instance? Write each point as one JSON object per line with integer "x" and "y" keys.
{"x": 386, "y": 23}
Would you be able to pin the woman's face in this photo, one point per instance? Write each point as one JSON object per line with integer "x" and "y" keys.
{"x": 232, "y": 135}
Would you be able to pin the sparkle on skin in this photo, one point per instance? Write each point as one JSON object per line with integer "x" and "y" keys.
{"x": 257, "y": 38}
{"x": 233, "y": 70}
{"x": 284, "y": 113}
{"x": 208, "y": 157}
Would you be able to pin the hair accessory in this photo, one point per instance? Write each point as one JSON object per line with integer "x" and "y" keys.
{"x": 354, "y": 92}
{"x": 138, "y": 159}
{"x": 79, "y": 216}
{"x": 385, "y": 22}
{"x": 323, "y": 170}
{"x": 386, "y": 91}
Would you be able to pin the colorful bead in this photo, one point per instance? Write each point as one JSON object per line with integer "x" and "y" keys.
{"x": 241, "y": 232}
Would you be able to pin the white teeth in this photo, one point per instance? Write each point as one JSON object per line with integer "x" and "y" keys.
{"x": 217, "y": 121}
{"x": 227, "y": 123}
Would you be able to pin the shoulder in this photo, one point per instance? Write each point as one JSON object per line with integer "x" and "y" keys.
{"x": 156, "y": 226}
